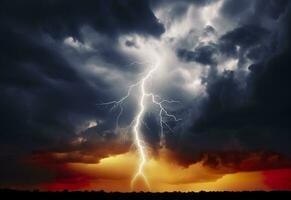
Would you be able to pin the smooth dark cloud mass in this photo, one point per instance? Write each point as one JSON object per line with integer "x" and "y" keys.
{"x": 59, "y": 59}
{"x": 65, "y": 17}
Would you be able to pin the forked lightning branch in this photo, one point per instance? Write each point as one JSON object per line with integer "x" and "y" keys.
{"x": 136, "y": 126}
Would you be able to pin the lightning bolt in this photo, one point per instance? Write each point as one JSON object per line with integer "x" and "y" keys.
{"x": 137, "y": 122}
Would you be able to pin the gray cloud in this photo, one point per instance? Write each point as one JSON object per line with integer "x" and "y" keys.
{"x": 230, "y": 72}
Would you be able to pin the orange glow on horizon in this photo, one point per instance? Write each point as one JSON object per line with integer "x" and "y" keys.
{"x": 114, "y": 173}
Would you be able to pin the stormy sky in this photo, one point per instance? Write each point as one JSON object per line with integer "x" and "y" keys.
{"x": 225, "y": 62}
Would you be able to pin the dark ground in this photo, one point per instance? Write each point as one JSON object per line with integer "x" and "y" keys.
{"x": 146, "y": 195}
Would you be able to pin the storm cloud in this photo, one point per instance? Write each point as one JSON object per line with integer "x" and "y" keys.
{"x": 225, "y": 62}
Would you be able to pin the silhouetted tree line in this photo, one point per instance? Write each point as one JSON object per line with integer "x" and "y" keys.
{"x": 148, "y": 195}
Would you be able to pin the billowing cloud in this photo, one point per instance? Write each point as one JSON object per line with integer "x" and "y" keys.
{"x": 224, "y": 64}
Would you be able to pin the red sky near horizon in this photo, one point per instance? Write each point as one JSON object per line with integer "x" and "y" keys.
{"x": 114, "y": 173}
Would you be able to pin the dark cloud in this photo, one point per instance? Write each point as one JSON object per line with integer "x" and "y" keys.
{"x": 251, "y": 41}
{"x": 232, "y": 161}
{"x": 37, "y": 74}
{"x": 131, "y": 43}
{"x": 45, "y": 99}
{"x": 209, "y": 30}
{"x": 65, "y": 17}
{"x": 270, "y": 8}
{"x": 249, "y": 116}
{"x": 245, "y": 161}
{"x": 267, "y": 106}
{"x": 31, "y": 76}
{"x": 195, "y": 2}
{"x": 252, "y": 117}
{"x": 202, "y": 54}
{"x": 245, "y": 36}
{"x": 233, "y": 8}
{"x": 179, "y": 11}
{"x": 255, "y": 11}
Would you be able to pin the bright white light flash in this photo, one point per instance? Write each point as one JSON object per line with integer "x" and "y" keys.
{"x": 136, "y": 124}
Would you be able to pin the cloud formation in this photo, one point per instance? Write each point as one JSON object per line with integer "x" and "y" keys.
{"x": 226, "y": 62}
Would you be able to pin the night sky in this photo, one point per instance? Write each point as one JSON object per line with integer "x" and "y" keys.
{"x": 223, "y": 69}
